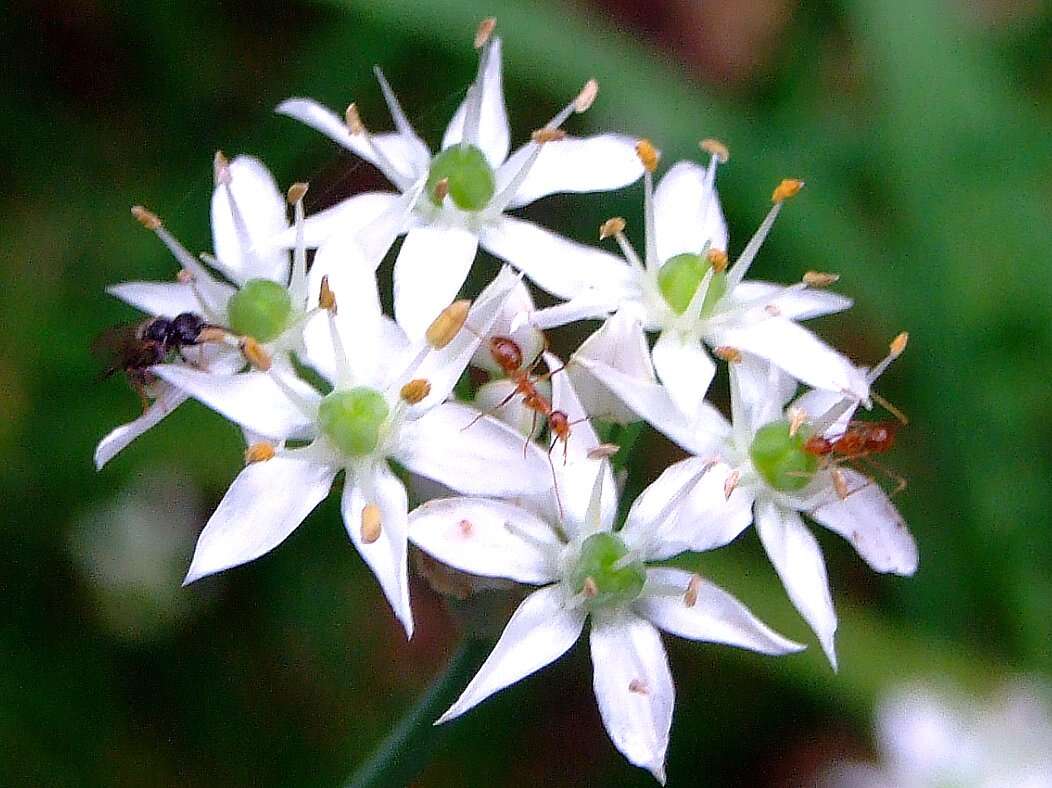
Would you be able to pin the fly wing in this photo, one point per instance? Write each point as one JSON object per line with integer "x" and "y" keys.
{"x": 120, "y": 348}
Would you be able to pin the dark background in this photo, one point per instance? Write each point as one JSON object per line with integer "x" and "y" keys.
{"x": 923, "y": 132}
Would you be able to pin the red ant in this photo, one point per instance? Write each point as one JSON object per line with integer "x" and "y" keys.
{"x": 860, "y": 440}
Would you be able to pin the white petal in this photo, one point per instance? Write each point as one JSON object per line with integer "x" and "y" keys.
{"x": 687, "y": 212}
{"x": 540, "y": 631}
{"x": 799, "y": 352}
{"x": 704, "y": 519}
{"x": 795, "y": 304}
{"x": 797, "y": 558}
{"x": 714, "y": 617}
{"x": 586, "y": 305}
{"x": 516, "y": 302}
{"x": 429, "y": 272}
{"x": 652, "y": 403}
{"x": 263, "y": 506}
{"x": 633, "y": 687}
{"x": 245, "y": 239}
{"x": 251, "y": 399}
{"x": 620, "y": 343}
{"x": 764, "y": 390}
{"x": 685, "y": 368}
{"x": 388, "y": 555}
{"x": 817, "y": 402}
{"x": 485, "y": 458}
{"x": 868, "y": 519}
{"x": 163, "y": 299}
{"x": 392, "y": 145}
{"x": 494, "y": 135}
{"x": 560, "y": 266}
{"x": 168, "y": 399}
{"x": 352, "y": 216}
{"x": 590, "y": 164}
{"x": 487, "y": 537}
{"x": 502, "y": 399}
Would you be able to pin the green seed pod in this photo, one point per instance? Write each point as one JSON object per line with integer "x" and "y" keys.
{"x": 780, "y": 457}
{"x": 599, "y": 579}
{"x": 679, "y": 278}
{"x": 352, "y": 419}
{"x": 469, "y": 180}
{"x": 260, "y": 309}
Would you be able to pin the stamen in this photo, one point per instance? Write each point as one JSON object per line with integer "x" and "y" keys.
{"x": 647, "y": 154}
{"x": 586, "y": 97}
{"x": 715, "y": 148}
{"x": 298, "y": 276}
{"x": 692, "y": 314}
{"x": 741, "y": 266}
{"x": 541, "y": 136}
{"x": 603, "y": 450}
{"x": 797, "y": 419}
{"x": 630, "y": 253}
{"x": 147, "y": 219}
{"x": 259, "y": 452}
{"x": 343, "y": 367}
{"x": 255, "y": 354}
{"x": 371, "y": 527}
{"x": 898, "y": 344}
{"x": 820, "y": 279}
{"x": 727, "y": 353}
{"x": 441, "y": 190}
{"x": 840, "y": 483}
{"x": 184, "y": 277}
{"x": 484, "y": 31}
{"x": 589, "y": 588}
{"x": 415, "y": 391}
{"x": 690, "y": 597}
{"x": 788, "y": 188}
{"x": 638, "y": 687}
{"x": 447, "y": 325}
{"x": 730, "y": 484}
{"x": 895, "y": 349}
{"x": 326, "y": 298}
{"x": 353, "y": 120}
{"x": 297, "y": 192}
{"x": 611, "y": 227}
{"x": 717, "y": 259}
{"x": 220, "y": 168}
{"x": 355, "y": 126}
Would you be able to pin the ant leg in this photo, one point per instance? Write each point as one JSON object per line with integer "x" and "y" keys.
{"x": 555, "y": 482}
{"x": 490, "y": 412}
{"x": 900, "y": 481}
{"x": 898, "y": 414}
{"x": 533, "y": 429}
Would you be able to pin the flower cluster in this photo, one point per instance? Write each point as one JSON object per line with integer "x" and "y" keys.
{"x": 323, "y": 383}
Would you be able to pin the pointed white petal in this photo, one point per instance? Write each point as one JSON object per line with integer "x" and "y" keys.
{"x": 387, "y": 556}
{"x": 574, "y": 164}
{"x": 685, "y": 368}
{"x": 392, "y": 145}
{"x": 560, "y": 266}
{"x": 704, "y": 519}
{"x": 713, "y": 617}
{"x": 485, "y": 458}
{"x": 168, "y": 399}
{"x": 248, "y": 214}
{"x": 868, "y": 519}
{"x": 701, "y": 436}
{"x": 251, "y": 399}
{"x": 764, "y": 390}
{"x": 494, "y": 135}
{"x": 540, "y": 631}
{"x": 265, "y": 503}
{"x": 621, "y": 344}
{"x": 687, "y": 212}
{"x": 164, "y": 299}
{"x": 799, "y": 352}
{"x": 486, "y": 537}
{"x": 416, "y": 149}
{"x": 795, "y": 304}
{"x": 429, "y": 272}
{"x": 634, "y": 690}
{"x": 352, "y": 216}
{"x": 797, "y": 558}
{"x": 586, "y": 305}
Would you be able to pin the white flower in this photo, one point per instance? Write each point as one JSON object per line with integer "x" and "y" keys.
{"x": 268, "y": 300}
{"x": 929, "y": 737}
{"x": 766, "y": 474}
{"x": 588, "y": 570}
{"x": 386, "y": 405}
{"x": 684, "y": 291}
{"x": 477, "y": 183}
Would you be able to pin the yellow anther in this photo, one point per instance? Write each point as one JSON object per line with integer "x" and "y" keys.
{"x": 484, "y": 31}
{"x": 353, "y": 119}
{"x": 448, "y": 324}
{"x": 690, "y": 597}
{"x": 586, "y": 97}
{"x": 715, "y": 148}
{"x": 254, "y": 353}
{"x": 415, "y": 391}
{"x": 729, "y": 354}
{"x": 296, "y": 192}
{"x": 611, "y": 227}
{"x": 221, "y": 167}
{"x": 639, "y": 687}
{"x": 259, "y": 452}
{"x": 717, "y": 259}
{"x": 589, "y": 588}
{"x": 730, "y": 484}
{"x": 820, "y": 279}
{"x": 797, "y": 419}
{"x": 790, "y": 187}
{"x": 648, "y": 154}
{"x": 441, "y": 189}
{"x": 147, "y": 219}
{"x": 898, "y": 344}
{"x": 371, "y": 523}
{"x": 603, "y": 450}
{"x": 326, "y": 298}
{"x": 541, "y": 136}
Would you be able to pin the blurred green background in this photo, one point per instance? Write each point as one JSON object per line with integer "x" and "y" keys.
{"x": 924, "y": 132}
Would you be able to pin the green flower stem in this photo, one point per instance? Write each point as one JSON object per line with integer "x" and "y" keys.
{"x": 408, "y": 747}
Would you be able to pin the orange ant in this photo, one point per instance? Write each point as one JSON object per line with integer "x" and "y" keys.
{"x": 858, "y": 442}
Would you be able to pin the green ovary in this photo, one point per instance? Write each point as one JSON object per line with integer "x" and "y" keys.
{"x": 780, "y": 457}
{"x": 468, "y": 174}
{"x": 261, "y": 309}
{"x": 352, "y": 419}
{"x": 679, "y": 278}
{"x": 614, "y": 585}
